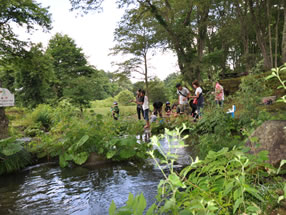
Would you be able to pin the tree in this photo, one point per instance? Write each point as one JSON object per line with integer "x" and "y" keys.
{"x": 134, "y": 37}
{"x": 170, "y": 85}
{"x": 210, "y": 36}
{"x": 25, "y": 13}
{"x": 124, "y": 97}
{"x": 80, "y": 91}
{"x": 69, "y": 61}
{"x": 157, "y": 91}
{"x": 33, "y": 77}
{"x": 182, "y": 25}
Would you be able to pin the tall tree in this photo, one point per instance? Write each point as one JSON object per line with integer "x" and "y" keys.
{"x": 135, "y": 38}
{"x": 183, "y": 24}
{"x": 69, "y": 61}
{"x": 213, "y": 34}
{"x": 26, "y": 14}
{"x": 34, "y": 76}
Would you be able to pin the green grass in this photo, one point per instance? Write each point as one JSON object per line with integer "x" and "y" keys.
{"x": 124, "y": 110}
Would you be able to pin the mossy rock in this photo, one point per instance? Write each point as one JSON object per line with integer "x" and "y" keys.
{"x": 231, "y": 85}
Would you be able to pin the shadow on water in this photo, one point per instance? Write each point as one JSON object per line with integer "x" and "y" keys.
{"x": 48, "y": 189}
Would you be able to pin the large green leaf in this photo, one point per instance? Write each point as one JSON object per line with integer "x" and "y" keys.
{"x": 112, "y": 208}
{"x": 63, "y": 162}
{"x": 141, "y": 205}
{"x": 81, "y": 141}
{"x": 110, "y": 154}
{"x": 127, "y": 153}
{"x": 80, "y": 158}
{"x": 175, "y": 180}
{"x": 11, "y": 149}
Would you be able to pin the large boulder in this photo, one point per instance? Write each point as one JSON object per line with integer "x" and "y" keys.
{"x": 270, "y": 136}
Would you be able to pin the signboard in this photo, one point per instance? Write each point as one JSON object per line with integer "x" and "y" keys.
{"x": 7, "y": 99}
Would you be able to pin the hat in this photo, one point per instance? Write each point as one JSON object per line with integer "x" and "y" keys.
{"x": 167, "y": 103}
{"x": 115, "y": 103}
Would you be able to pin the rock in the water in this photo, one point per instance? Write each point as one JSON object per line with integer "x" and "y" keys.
{"x": 271, "y": 136}
{"x": 95, "y": 159}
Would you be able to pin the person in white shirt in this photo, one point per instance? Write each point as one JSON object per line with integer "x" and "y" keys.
{"x": 198, "y": 98}
{"x": 183, "y": 99}
{"x": 145, "y": 106}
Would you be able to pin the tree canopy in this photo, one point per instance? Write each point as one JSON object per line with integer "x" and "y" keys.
{"x": 25, "y": 13}
{"x": 213, "y": 38}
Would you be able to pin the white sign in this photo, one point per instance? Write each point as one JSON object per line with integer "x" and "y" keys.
{"x": 7, "y": 99}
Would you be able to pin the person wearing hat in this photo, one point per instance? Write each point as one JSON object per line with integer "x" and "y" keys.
{"x": 115, "y": 111}
{"x": 168, "y": 109}
{"x": 183, "y": 100}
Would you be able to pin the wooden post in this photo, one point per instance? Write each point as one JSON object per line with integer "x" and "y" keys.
{"x": 4, "y": 122}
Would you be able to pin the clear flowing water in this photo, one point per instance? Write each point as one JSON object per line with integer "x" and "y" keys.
{"x": 48, "y": 189}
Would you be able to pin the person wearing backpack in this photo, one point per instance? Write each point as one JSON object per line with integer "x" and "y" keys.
{"x": 183, "y": 99}
{"x": 198, "y": 98}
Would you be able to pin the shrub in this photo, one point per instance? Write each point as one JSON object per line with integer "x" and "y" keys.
{"x": 125, "y": 97}
{"x": 249, "y": 95}
{"x": 225, "y": 182}
{"x": 13, "y": 155}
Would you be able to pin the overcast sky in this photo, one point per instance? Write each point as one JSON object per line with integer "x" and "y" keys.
{"x": 94, "y": 34}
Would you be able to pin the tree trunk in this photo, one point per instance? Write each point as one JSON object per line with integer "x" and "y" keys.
{"x": 242, "y": 12}
{"x": 269, "y": 33}
{"x": 260, "y": 37}
{"x": 3, "y": 124}
{"x": 284, "y": 37}
{"x": 276, "y": 39}
{"x": 146, "y": 74}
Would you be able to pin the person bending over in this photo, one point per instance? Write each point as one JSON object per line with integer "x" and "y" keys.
{"x": 183, "y": 99}
{"x": 158, "y": 106}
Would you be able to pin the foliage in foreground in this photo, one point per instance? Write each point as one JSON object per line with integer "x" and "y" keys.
{"x": 225, "y": 182}
{"x": 13, "y": 155}
{"x": 72, "y": 136}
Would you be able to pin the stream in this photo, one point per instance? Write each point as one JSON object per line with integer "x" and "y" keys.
{"x": 49, "y": 189}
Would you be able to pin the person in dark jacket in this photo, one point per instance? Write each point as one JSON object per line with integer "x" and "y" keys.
{"x": 158, "y": 106}
{"x": 139, "y": 101}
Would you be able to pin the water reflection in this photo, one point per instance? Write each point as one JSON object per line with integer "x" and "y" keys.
{"x": 48, "y": 189}
{"x": 51, "y": 190}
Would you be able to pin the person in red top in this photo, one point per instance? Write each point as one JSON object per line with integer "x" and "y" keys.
{"x": 219, "y": 94}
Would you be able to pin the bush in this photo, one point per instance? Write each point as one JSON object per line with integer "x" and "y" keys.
{"x": 225, "y": 182}
{"x": 13, "y": 156}
{"x": 217, "y": 130}
{"x": 125, "y": 97}
{"x": 74, "y": 136}
{"x": 251, "y": 90}
{"x": 103, "y": 103}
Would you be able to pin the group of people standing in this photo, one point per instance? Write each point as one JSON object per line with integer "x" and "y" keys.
{"x": 185, "y": 102}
